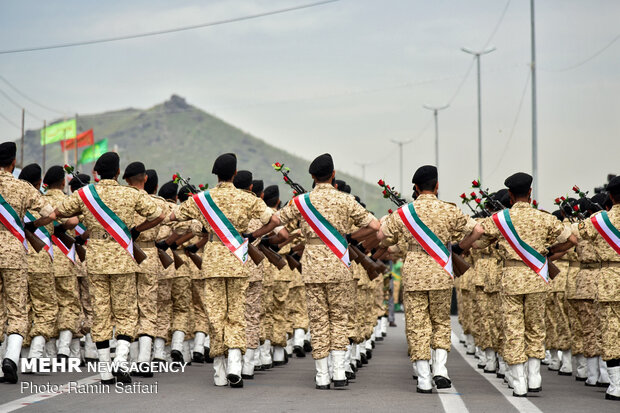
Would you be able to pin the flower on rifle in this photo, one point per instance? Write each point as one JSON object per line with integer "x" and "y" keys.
{"x": 557, "y": 201}
{"x": 473, "y": 195}
{"x": 286, "y": 179}
{"x": 203, "y": 187}
{"x": 176, "y": 178}
{"x": 475, "y": 183}
{"x": 478, "y": 201}
{"x": 535, "y": 204}
{"x": 390, "y": 211}
{"x": 385, "y": 193}
{"x": 45, "y": 187}
{"x": 463, "y": 196}
{"x": 277, "y": 166}
{"x": 576, "y": 208}
{"x": 68, "y": 169}
{"x": 381, "y": 183}
{"x": 562, "y": 198}
{"x": 576, "y": 189}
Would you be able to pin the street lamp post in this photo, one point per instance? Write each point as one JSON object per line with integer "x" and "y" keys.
{"x": 436, "y": 109}
{"x": 477, "y": 57}
{"x": 400, "y": 147}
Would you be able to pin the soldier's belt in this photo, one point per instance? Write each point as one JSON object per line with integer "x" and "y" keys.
{"x": 99, "y": 235}
{"x": 314, "y": 241}
{"x": 590, "y": 265}
{"x": 144, "y": 244}
{"x": 574, "y": 264}
{"x": 612, "y": 264}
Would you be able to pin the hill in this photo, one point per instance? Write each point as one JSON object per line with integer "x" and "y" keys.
{"x": 177, "y": 137}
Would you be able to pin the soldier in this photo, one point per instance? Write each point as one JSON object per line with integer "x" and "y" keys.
{"x": 428, "y": 224}
{"x": 225, "y": 212}
{"x": 325, "y": 216}
{"x": 16, "y": 197}
{"x": 109, "y": 212}
{"x": 67, "y": 290}
{"x": 518, "y": 229}
{"x": 602, "y": 230}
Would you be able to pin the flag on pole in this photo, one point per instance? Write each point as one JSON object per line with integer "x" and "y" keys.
{"x": 83, "y": 139}
{"x": 92, "y": 153}
{"x": 58, "y": 132}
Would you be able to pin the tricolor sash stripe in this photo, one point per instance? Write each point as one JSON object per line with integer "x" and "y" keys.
{"x": 326, "y": 231}
{"x": 426, "y": 238}
{"x": 12, "y": 222}
{"x": 68, "y": 252}
{"x": 222, "y": 226}
{"x": 607, "y": 230}
{"x": 41, "y": 233}
{"x": 106, "y": 217}
{"x": 532, "y": 258}
{"x": 80, "y": 229}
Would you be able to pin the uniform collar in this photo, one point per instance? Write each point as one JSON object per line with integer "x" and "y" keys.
{"x": 106, "y": 182}
{"x": 225, "y": 185}
{"x": 6, "y": 173}
{"x": 51, "y": 191}
{"x": 521, "y": 204}
{"x": 427, "y": 196}
{"x": 324, "y": 185}
{"x": 615, "y": 208}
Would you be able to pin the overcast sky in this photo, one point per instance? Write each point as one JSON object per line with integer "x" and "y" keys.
{"x": 346, "y": 77}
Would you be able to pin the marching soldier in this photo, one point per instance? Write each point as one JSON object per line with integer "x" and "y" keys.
{"x": 109, "y": 212}
{"x": 325, "y": 217}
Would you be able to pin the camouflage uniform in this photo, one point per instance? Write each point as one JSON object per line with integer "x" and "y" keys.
{"x": 556, "y": 318}
{"x": 572, "y": 304}
{"x": 111, "y": 270}
{"x": 493, "y": 272}
{"x": 428, "y": 288}
{"x": 328, "y": 281}
{"x": 253, "y": 297}
{"x": 523, "y": 291}
{"x": 164, "y": 286}
{"x": 226, "y": 277}
{"x": 22, "y": 196}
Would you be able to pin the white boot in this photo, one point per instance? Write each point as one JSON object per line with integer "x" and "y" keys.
{"x": 74, "y": 349}
{"x": 440, "y": 372}
{"x": 289, "y": 347}
{"x": 384, "y": 326}
{"x": 298, "y": 338}
{"x": 134, "y": 349}
{"x": 425, "y": 382}
{"x": 219, "y": 365}
{"x": 233, "y": 370}
{"x": 347, "y": 363}
{"x": 613, "y": 391}
{"x": 37, "y": 347}
{"x": 470, "y": 344}
{"x": 482, "y": 361}
{"x": 534, "y": 380}
{"x": 105, "y": 364}
{"x": 491, "y": 366}
{"x": 593, "y": 371}
{"x": 187, "y": 355}
{"x": 176, "y": 346}
{"x": 10, "y": 364}
{"x": 519, "y": 382}
{"x": 265, "y": 355}
{"x": 554, "y": 360}
{"x": 566, "y": 369}
{"x": 278, "y": 356}
{"x": 508, "y": 377}
{"x": 547, "y": 358}
{"x": 339, "y": 375}
{"x": 603, "y": 379}
{"x": 321, "y": 379}
{"x": 581, "y": 367}
{"x": 64, "y": 341}
{"x": 501, "y": 369}
{"x": 159, "y": 345}
{"x": 257, "y": 363}
{"x": 247, "y": 371}
{"x": 50, "y": 348}
{"x": 90, "y": 349}
{"x": 415, "y": 371}
{"x": 144, "y": 349}
{"x": 199, "y": 343}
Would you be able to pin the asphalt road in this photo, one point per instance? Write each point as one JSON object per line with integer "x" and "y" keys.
{"x": 385, "y": 384}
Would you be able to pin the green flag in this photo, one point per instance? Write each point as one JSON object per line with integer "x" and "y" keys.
{"x": 92, "y": 153}
{"x": 58, "y": 132}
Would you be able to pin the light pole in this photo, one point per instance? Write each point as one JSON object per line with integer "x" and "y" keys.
{"x": 534, "y": 114}
{"x": 363, "y": 165}
{"x": 436, "y": 109}
{"x": 400, "y": 147}
{"x": 477, "y": 57}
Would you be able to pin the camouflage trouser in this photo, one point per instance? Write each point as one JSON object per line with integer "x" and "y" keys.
{"x": 556, "y": 321}
{"x": 524, "y": 326}
{"x": 146, "y": 285}
{"x": 44, "y": 305}
{"x": 380, "y": 308}
{"x": 467, "y": 307}
{"x": 298, "y": 311}
{"x": 370, "y": 315}
{"x": 327, "y": 311}
{"x": 576, "y": 331}
{"x": 201, "y": 321}
{"x": 252, "y": 313}
{"x": 115, "y": 304}
{"x": 483, "y": 336}
{"x": 355, "y": 313}
{"x": 266, "y": 318}
{"x": 588, "y": 313}
{"x": 69, "y": 307}
{"x": 181, "y": 293}
{"x": 610, "y": 318}
{"x": 494, "y": 314}
{"x": 164, "y": 307}
{"x": 279, "y": 313}
{"x": 87, "y": 308}
{"x": 427, "y": 322}
{"x": 225, "y": 298}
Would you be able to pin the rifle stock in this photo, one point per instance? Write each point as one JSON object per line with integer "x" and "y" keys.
{"x": 138, "y": 254}
{"x": 273, "y": 257}
{"x": 178, "y": 261}
{"x": 69, "y": 241}
{"x": 255, "y": 254}
{"x": 553, "y": 270}
{"x": 195, "y": 259}
{"x": 293, "y": 263}
{"x": 81, "y": 252}
{"x": 35, "y": 241}
{"x": 164, "y": 258}
{"x": 353, "y": 255}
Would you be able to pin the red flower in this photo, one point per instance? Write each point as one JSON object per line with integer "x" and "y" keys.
{"x": 473, "y": 194}
{"x": 557, "y": 201}
{"x": 390, "y": 211}
{"x": 576, "y": 188}
{"x": 576, "y": 208}
{"x": 96, "y": 179}
{"x": 475, "y": 183}
{"x": 381, "y": 183}
{"x": 463, "y": 196}
{"x": 562, "y": 198}
{"x": 294, "y": 192}
{"x": 201, "y": 186}
{"x": 278, "y": 164}
{"x": 534, "y": 202}
{"x": 285, "y": 179}
{"x": 478, "y": 200}
{"x": 384, "y": 192}
{"x": 174, "y": 177}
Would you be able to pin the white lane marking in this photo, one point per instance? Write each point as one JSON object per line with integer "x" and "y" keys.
{"x": 38, "y": 397}
{"x": 451, "y": 400}
{"x": 522, "y": 404}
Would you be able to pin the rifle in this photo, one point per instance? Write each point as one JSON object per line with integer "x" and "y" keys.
{"x": 366, "y": 262}
{"x": 35, "y": 241}
{"x": 254, "y": 253}
{"x": 459, "y": 265}
{"x": 297, "y": 188}
{"x": 292, "y": 262}
{"x": 272, "y": 256}
{"x": 389, "y": 192}
{"x": 178, "y": 261}
{"x": 164, "y": 258}
{"x": 195, "y": 258}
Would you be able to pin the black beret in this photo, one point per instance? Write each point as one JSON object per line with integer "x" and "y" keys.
{"x": 614, "y": 185}
{"x": 7, "y": 152}
{"x": 109, "y": 162}
{"x": 55, "y": 174}
{"x": 186, "y": 191}
{"x": 168, "y": 190}
{"x": 599, "y": 199}
{"x": 503, "y": 197}
{"x": 558, "y": 214}
{"x": 225, "y": 164}
{"x": 519, "y": 182}
{"x": 243, "y": 179}
{"x": 322, "y": 166}
{"x": 424, "y": 174}
{"x": 31, "y": 173}
{"x": 257, "y": 186}
{"x": 358, "y": 199}
{"x": 75, "y": 184}
{"x": 341, "y": 184}
{"x": 271, "y": 192}
{"x": 347, "y": 189}
{"x": 151, "y": 183}
{"x": 133, "y": 169}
